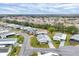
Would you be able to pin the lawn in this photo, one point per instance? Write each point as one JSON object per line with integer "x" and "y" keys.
{"x": 55, "y": 43}
{"x": 34, "y": 54}
{"x": 15, "y": 51}
{"x": 36, "y": 44}
{"x": 19, "y": 37}
{"x": 67, "y": 43}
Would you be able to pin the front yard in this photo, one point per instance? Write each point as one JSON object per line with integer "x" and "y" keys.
{"x": 34, "y": 43}
{"x": 67, "y": 42}
{"x": 34, "y": 54}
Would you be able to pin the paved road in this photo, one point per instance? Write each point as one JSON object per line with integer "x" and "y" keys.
{"x": 25, "y": 44}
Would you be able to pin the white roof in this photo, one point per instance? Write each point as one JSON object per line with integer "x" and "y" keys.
{"x": 7, "y": 33}
{"x": 8, "y": 41}
{"x": 37, "y": 32}
{"x": 13, "y": 25}
{"x": 2, "y": 31}
{"x": 59, "y": 36}
{"x": 75, "y": 37}
{"x": 42, "y": 38}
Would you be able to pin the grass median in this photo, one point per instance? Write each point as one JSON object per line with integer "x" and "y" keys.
{"x": 15, "y": 51}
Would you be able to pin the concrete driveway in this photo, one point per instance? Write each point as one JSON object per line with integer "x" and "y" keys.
{"x": 62, "y": 44}
{"x": 51, "y": 45}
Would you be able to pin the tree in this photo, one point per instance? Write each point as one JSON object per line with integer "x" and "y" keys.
{"x": 72, "y": 29}
{"x": 59, "y": 27}
{"x": 51, "y": 29}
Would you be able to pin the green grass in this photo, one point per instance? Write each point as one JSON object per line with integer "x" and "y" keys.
{"x": 67, "y": 43}
{"x": 34, "y": 54}
{"x": 56, "y": 43}
{"x": 34, "y": 43}
{"x": 19, "y": 37}
{"x": 15, "y": 51}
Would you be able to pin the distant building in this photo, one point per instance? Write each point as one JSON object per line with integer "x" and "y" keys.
{"x": 30, "y": 30}
{"x": 59, "y": 36}
{"x": 13, "y": 26}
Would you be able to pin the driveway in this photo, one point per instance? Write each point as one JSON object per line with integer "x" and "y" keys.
{"x": 51, "y": 45}
{"x": 62, "y": 44}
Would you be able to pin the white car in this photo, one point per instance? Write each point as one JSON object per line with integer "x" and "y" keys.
{"x": 50, "y": 54}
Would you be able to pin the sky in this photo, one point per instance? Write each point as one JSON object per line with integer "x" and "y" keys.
{"x": 39, "y": 8}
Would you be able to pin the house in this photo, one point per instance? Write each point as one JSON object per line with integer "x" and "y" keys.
{"x": 13, "y": 26}
{"x": 30, "y": 30}
{"x": 4, "y": 51}
{"x": 8, "y": 41}
{"x": 6, "y": 34}
{"x": 41, "y": 32}
{"x": 3, "y": 30}
{"x": 59, "y": 36}
{"x": 43, "y": 38}
{"x": 74, "y": 38}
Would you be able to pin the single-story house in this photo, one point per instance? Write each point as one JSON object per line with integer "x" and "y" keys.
{"x": 8, "y": 41}
{"x": 74, "y": 37}
{"x": 30, "y": 30}
{"x": 13, "y": 26}
{"x": 41, "y": 32}
{"x": 59, "y": 36}
{"x": 5, "y": 34}
{"x": 3, "y": 30}
{"x": 4, "y": 51}
{"x": 42, "y": 38}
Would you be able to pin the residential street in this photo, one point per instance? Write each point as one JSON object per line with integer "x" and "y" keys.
{"x": 27, "y": 50}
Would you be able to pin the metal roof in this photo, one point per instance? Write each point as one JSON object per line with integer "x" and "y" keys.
{"x": 37, "y": 32}
{"x": 75, "y": 37}
{"x": 8, "y": 41}
{"x": 59, "y": 36}
{"x": 42, "y": 38}
{"x": 4, "y": 49}
{"x": 7, "y": 33}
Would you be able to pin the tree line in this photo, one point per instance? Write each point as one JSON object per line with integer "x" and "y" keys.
{"x": 56, "y": 27}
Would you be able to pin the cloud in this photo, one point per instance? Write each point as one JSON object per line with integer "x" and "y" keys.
{"x": 31, "y": 8}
